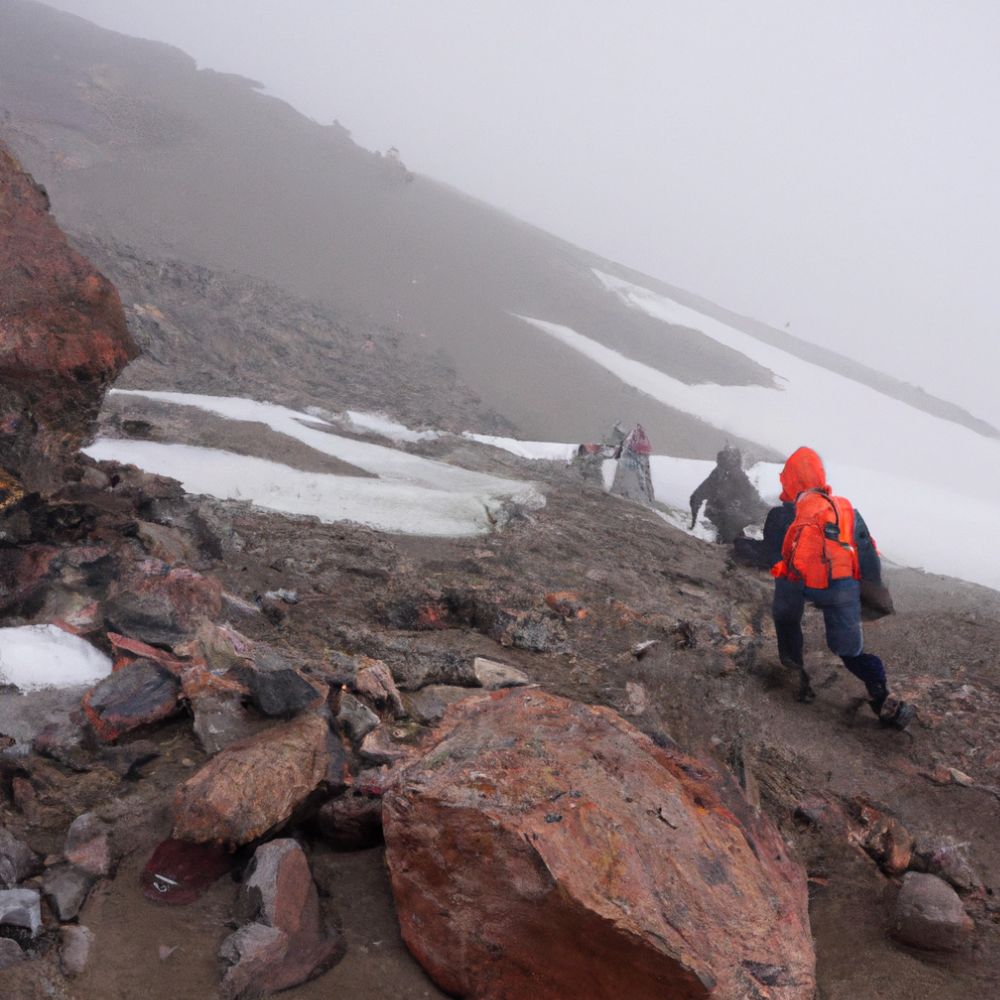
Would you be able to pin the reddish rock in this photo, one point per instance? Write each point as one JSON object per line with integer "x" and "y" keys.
{"x": 64, "y": 335}
{"x": 254, "y": 785}
{"x": 162, "y": 605}
{"x": 374, "y": 681}
{"x": 179, "y": 872}
{"x": 567, "y": 604}
{"x": 547, "y": 849}
{"x": 137, "y": 695}
{"x": 283, "y": 941}
{"x": 881, "y": 836}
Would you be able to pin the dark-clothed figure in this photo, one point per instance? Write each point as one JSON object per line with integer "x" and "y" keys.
{"x": 819, "y": 550}
{"x": 731, "y": 500}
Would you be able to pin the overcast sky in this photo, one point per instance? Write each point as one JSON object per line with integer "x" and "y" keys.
{"x": 833, "y": 166}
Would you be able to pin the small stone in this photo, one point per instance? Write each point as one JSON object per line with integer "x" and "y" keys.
{"x": 279, "y": 693}
{"x": 428, "y": 705}
{"x": 66, "y": 888}
{"x": 493, "y": 675}
{"x": 187, "y": 762}
{"x": 10, "y": 953}
{"x": 374, "y": 681}
{"x": 17, "y": 860}
{"x": 76, "y": 942}
{"x": 165, "y": 951}
{"x": 221, "y": 720}
{"x": 21, "y": 910}
{"x": 960, "y": 777}
{"x": 378, "y": 747}
{"x": 946, "y": 858}
{"x": 640, "y": 649}
{"x": 88, "y": 845}
{"x": 636, "y": 699}
{"x": 355, "y": 718}
{"x": 930, "y": 915}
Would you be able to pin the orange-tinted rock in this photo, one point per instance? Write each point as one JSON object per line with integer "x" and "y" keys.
{"x": 139, "y": 694}
{"x": 567, "y": 604}
{"x": 254, "y": 785}
{"x": 881, "y": 836}
{"x": 64, "y": 337}
{"x": 547, "y": 849}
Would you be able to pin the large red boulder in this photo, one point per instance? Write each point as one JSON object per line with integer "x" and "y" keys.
{"x": 547, "y": 849}
{"x": 63, "y": 337}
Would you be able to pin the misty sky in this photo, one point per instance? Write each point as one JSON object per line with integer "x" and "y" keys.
{"x": 829, "y": 165}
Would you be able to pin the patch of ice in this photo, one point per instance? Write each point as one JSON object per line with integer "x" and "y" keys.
{"x": 552, "y": 451}
{"x": 33, "y": 657}
{"x": 385, "y": 426}
{"x": 461, "y": 506}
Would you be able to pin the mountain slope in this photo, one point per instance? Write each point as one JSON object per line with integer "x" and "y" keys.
{"x": 136, "y": 144}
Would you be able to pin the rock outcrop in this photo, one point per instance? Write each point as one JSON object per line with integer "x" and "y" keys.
{"x": 548, "y": 849}
{"x": 63, "y": 337}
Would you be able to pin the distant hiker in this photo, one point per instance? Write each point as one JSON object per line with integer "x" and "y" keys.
{"x": 731, "y": 500}
{"x": 633, "y": 479}
{"x": 821, "y": 551}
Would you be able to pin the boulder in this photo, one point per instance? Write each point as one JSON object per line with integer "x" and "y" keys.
{"x": 882, "y": 836}
{"x": 221, "y": 720}
{"x": 75, "y": 943}
{"x": 162, "y": 605}
{"x": 929, "y": 914}
{"x": 64, "y": 335}
{"x": 549, "y": 849}
{"x": 141, "y": 693}
{"x": 281, "y": 692}
{"x": 283, "y": 941}
{"x": 179, "y": 872}
{"x": 374, "y": 681}
{"x": 254, "y": 785}
{"x": 17, "y": 860}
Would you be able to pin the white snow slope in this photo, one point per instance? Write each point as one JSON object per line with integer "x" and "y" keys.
{"x": 927, "y": 487}
{"x": 412, "y": 494}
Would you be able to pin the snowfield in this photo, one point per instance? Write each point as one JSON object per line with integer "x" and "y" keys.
{"x": 33, "y": 657}
{"x": 412, "y": 494}
{"x": 927, "y": 487}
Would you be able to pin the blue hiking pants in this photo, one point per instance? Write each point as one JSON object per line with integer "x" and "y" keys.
{"x": 841, "y": 607}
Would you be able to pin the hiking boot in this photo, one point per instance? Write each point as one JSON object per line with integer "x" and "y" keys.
{"x": 878, "y": 695}
{"x": 806, "y": 693}
{"x": 789, "y": 664}
{"x": 895, "y": 713}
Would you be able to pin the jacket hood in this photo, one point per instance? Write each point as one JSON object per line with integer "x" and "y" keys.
{"x": 803, "y": 471}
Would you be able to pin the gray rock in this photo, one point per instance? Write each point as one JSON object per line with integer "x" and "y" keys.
{"x": 428, "y": 705}
{"x": 17, "y": 860}
{"x": 355, "y": 718}
{"x": 76, "y": 942}
{"x": 493, "y": 675}
{"x": 88, "y": 845}
{"x": 21, "y": 910}
{"x": 221, "y": 719}
{"x": 930, "y": 915}
{"x": 10, "y": 953}
{"x": 279, "y": 693}
{"x": 946, "y": 857}
{"x": 66, "y": 888}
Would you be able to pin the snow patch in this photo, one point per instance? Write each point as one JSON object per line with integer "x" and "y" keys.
{"x": 552, "y": 451}
{"x": 33, "y": 657}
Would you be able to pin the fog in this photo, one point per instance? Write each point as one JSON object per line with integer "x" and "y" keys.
{"x": 829, "y": 167}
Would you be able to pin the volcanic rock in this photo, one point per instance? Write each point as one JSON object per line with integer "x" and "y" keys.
{"x": 355, "y": 718}
{"x": 283, "y": 941}
{"x": 10, "y": 953}
{"x": 374, "y": 681}
{"x": 883, "y": 837}
{"x": 548, "y": 849}
{"x": 162, "y": 605}
{"x": 64, "y": 335}
{"x": 930, "y": 915}
{"x": 139, "y": 694}
{"x": 255, "y": 784}
{"x": 221, "y": 720}
{"x": 179, "y": 872}
{"x": 17, "y": 860}
{"x": 280, "y": 693}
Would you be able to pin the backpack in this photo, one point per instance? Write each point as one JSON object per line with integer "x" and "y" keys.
{"x": 819, "y": 545}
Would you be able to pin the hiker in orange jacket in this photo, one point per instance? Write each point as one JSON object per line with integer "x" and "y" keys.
{"x": 825, "y": 552}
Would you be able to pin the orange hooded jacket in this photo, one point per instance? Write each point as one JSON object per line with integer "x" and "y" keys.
{"x": 819, "y": 544}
